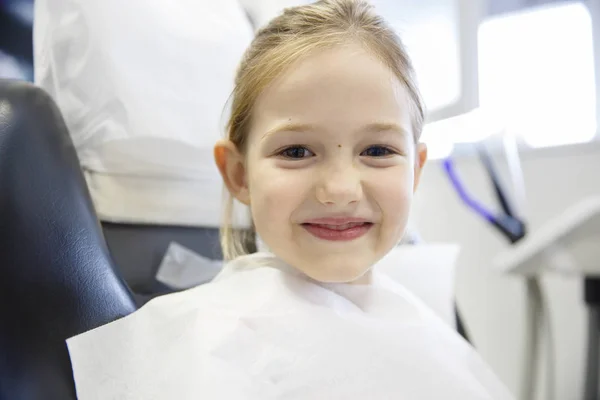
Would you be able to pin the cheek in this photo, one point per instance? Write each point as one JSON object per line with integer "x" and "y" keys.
{"x": 393, "y": 193}
{"x": 275, "y": 193}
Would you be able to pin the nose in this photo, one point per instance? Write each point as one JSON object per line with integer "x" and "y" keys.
{"x": 339, "y": 186}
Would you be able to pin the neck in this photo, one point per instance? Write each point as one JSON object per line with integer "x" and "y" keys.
{"x": 365, "y": 279}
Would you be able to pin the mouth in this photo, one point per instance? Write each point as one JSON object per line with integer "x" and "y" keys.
{"x": 337, "y": 230}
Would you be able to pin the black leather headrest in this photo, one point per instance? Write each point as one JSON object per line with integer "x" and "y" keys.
{"x": 56, "y": 276}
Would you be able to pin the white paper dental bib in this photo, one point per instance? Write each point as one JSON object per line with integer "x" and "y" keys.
{"x": 263, "y": 331}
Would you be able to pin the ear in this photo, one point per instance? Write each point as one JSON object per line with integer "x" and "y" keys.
{"x": 420, "y": 159}
{"x": 233, "y": 170}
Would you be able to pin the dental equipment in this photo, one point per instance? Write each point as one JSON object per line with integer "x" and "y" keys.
{"x": 509, "y": 222}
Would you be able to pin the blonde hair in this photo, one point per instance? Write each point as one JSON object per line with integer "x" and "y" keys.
{"x": 287, "y": 38}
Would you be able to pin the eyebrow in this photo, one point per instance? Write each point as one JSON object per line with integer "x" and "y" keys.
{"x": 374, "y": 127}
{"x": 289, "y": 127}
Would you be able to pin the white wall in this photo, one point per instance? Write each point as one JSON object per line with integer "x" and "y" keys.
{"x": 493, "y": 305}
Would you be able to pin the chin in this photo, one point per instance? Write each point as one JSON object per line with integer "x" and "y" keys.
{"x": 333, "y": 272}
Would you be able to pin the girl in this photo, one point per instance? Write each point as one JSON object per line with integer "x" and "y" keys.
{"x": 323, "y": 147}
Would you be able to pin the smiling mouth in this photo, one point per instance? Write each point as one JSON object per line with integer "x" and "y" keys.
{"x": 338, "y": 232}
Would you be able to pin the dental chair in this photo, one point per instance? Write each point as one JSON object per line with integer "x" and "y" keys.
{"x": 140, "y": 249}
{"x": 57, "y": 278}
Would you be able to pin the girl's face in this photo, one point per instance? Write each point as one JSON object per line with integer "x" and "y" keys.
{"x": 331, "y": 164}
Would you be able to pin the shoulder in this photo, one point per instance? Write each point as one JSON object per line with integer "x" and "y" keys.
{"x": 247, "y": 263}
{"x": 244, "y": 285}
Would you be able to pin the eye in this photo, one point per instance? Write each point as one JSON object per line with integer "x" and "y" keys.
{"x": 296, "y": 152}
{"x": 378, "y": 151}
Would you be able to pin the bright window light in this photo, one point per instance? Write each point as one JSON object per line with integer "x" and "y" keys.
{"x": 439, "y": 143}
{"x": 536, "y": 69}
{"x": 433, "y": 47}
{"x": 430, "y": 31}
{"x": 474, "y": 126}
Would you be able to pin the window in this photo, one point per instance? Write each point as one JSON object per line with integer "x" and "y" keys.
{"x": 536, "y": 81}
{"x": 430, "y": 31}
{"x": 536, "y": 72}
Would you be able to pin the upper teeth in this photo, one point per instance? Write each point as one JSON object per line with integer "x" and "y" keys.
{"x": 342, "y": 227}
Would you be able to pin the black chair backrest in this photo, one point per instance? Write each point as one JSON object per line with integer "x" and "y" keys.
{"x": 56, "y": 276}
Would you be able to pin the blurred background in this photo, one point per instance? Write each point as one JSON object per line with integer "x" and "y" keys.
{"x": 16, "y": 45}
{"x": 489, "y": 69}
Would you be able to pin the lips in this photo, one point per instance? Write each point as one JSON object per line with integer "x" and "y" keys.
{"x": 337, "y": 229}
{"x": 341, "y": 227}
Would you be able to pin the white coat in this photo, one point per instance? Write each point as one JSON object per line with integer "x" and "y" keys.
{"x": 143, "y": 87}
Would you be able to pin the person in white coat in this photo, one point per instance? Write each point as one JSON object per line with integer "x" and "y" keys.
{"x": 323, "y": 147}
{"x": 142, "y": 87}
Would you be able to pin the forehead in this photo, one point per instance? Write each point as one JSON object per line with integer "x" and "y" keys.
{"x": 341, "y": 86}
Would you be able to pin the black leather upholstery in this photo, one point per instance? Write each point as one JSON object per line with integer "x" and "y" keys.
{"x": 56, "y": 276}
{"x": 139, "y": 250}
